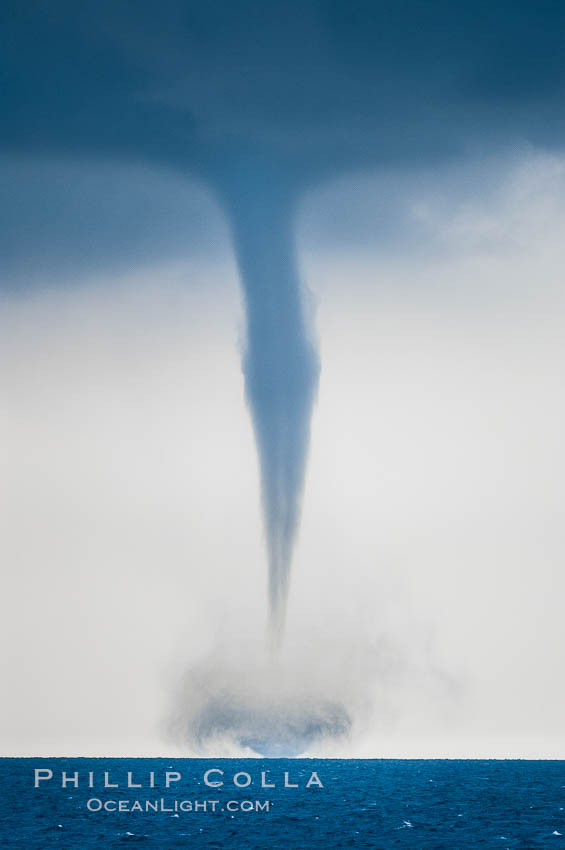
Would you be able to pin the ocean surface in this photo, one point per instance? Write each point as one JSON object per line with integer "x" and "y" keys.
{"x": 362, "y": 803}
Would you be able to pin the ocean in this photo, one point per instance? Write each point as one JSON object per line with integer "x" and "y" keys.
{"x": 373, "y": 803}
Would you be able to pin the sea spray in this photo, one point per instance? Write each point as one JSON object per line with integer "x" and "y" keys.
{"x": 243, "y": 704}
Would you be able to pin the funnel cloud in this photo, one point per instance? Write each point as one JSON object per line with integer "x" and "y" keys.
{"x": 281, "y": 370}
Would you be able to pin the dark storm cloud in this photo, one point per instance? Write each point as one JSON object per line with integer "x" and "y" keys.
{"x": 63, "y": 217}
{"x": 269, "y": 93}
{"x": 310, "y": 85}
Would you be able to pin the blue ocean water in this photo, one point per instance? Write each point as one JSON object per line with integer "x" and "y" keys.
{"x": 363, "y": 803}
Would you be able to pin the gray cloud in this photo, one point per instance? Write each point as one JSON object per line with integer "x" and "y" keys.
{"x": 312, "y": 86}
{"x": 63, "y": 218}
